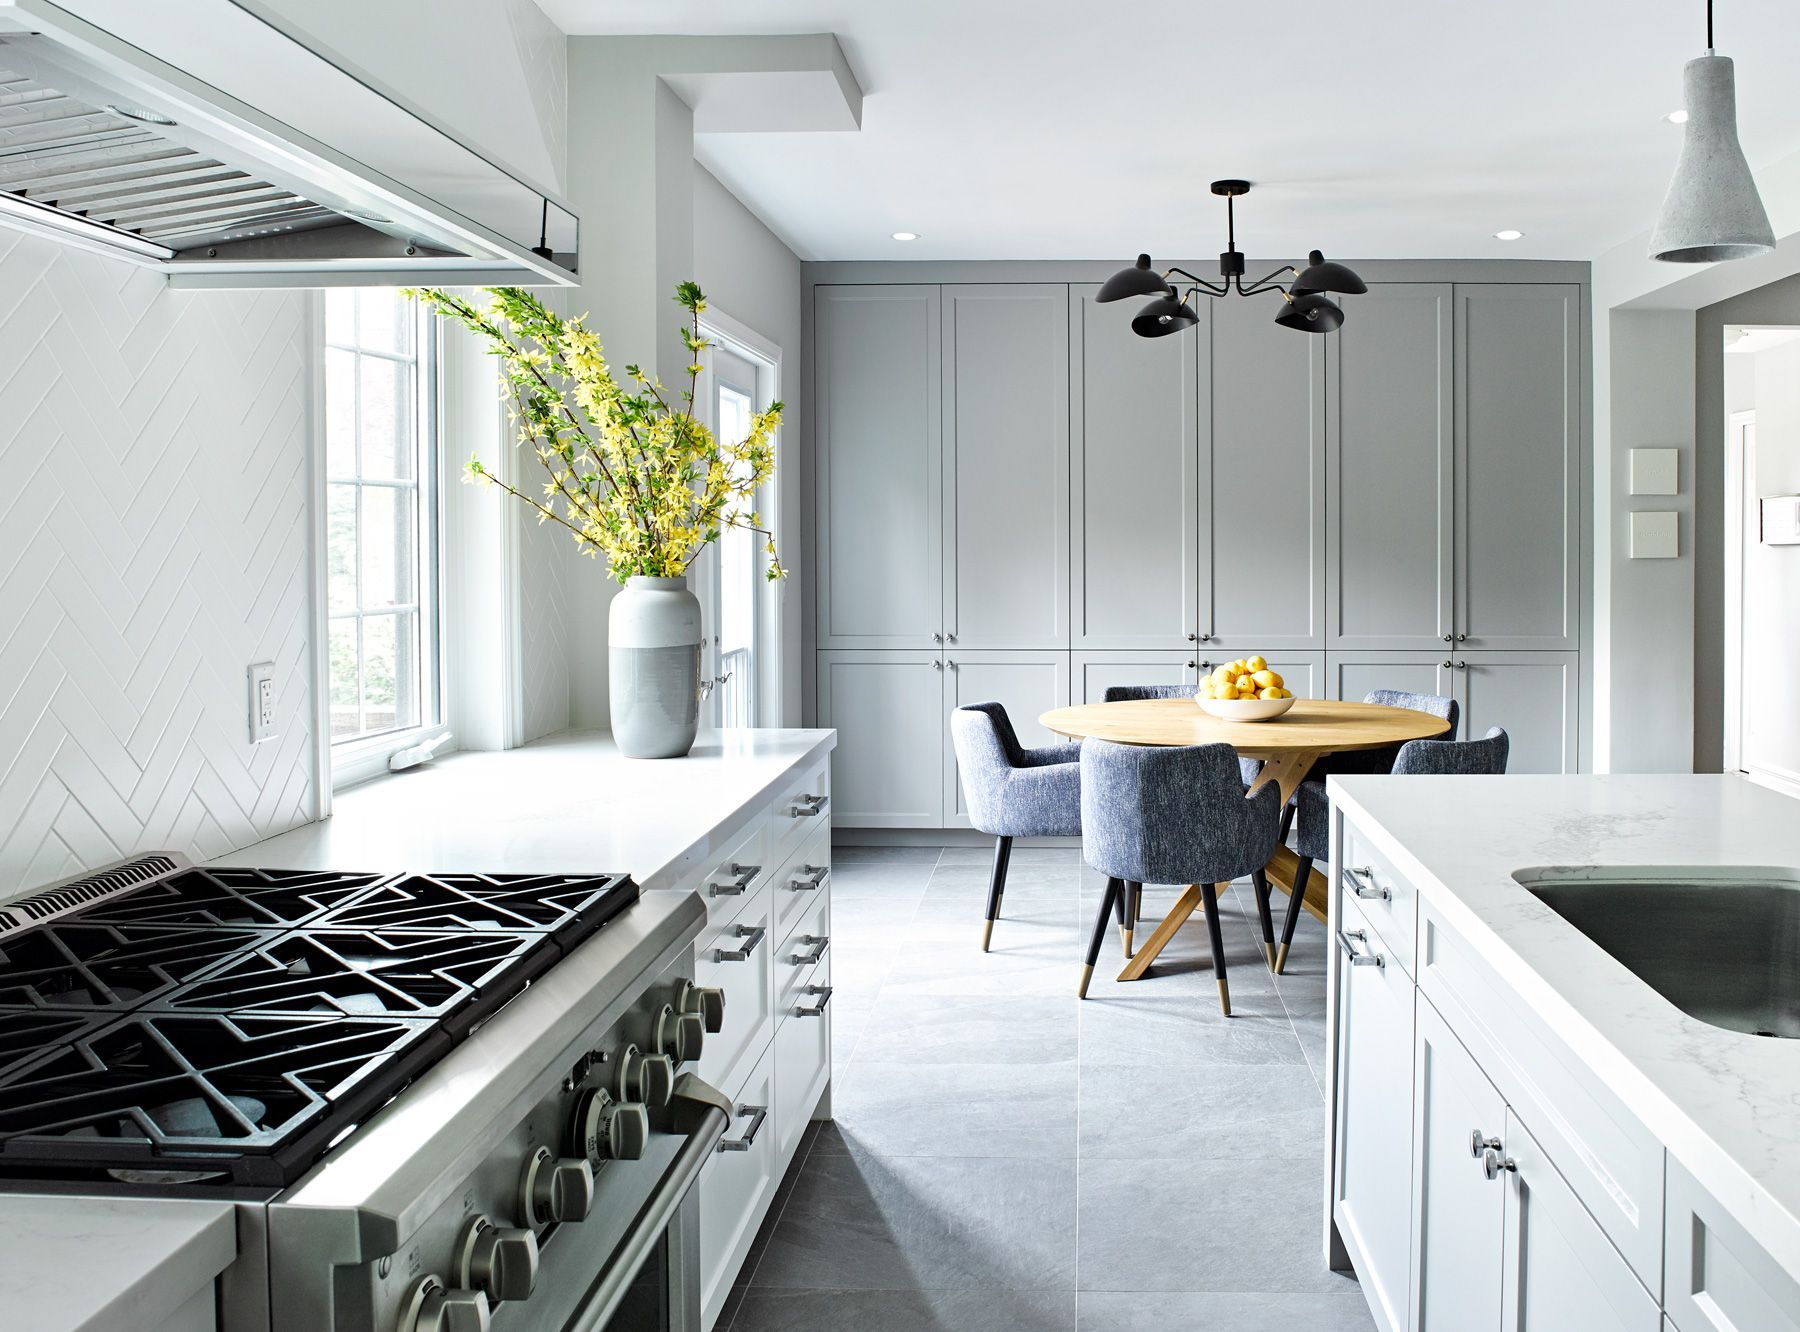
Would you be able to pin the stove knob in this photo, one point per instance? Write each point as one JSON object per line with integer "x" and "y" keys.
{"x": 502, "y": 1262}
{"x": 555, "y": 1188}
{"x": 606, "y": 1129}
{"x": 429, "y": 1307}
{"x": 649, "y": 1079}
{"x": 680, "y": 1036}
{"x": 706, "y": 1000}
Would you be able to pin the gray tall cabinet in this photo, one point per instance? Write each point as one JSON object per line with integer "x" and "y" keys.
{"x": 1020, "y": 499}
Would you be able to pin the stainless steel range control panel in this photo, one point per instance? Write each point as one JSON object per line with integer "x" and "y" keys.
{"x": 584, "y": 1154}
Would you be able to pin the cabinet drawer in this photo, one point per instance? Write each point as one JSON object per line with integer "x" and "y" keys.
{"x": 802, "y": 803}
{"x": 736, "y": 1186}
{"x": 802, "y": 1055}
{"x": 798, "y": 955}
{"x": 1719, "y": 1279}
{"x": 1612, "y": 1162}
{"x": 1386, "y": 898}
{"x": 732, "y": 878}
{"x": 1371, "y": 1183}
{"x": 803, "y": 881}
{"x": 737, "y": 957}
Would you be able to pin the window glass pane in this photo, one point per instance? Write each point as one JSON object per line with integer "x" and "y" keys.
{"x": 340, "y": 547}
{"x": 386, "y": 542}
{"x": 386, "y": 417}
{"x": 389, "y": 675}
{"x": 340, "y": 413}
{"x": 344, "y": 718}
{"x": 384, "y": 321}
{"x": 340, "y": 316}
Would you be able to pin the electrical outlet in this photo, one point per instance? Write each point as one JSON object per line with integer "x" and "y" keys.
{"x": 262, "y": 702}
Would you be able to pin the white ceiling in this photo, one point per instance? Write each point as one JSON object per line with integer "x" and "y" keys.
{"x": 1025, "y": 129}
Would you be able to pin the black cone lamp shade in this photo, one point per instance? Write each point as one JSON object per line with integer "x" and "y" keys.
{"x": 1138, "y": 280}
{"x": 1310, "y": 313}
{"x": 1318, "y": 275}
{"x": 1164, "y": 316}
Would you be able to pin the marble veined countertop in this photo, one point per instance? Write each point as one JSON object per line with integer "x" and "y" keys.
{"x": 93, "y": 1264}
{"x": 1726, "y": 1105}
{"x": 565, "y": 804}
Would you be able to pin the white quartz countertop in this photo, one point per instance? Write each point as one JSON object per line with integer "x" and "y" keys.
{"x": 1726, "y": 1105}
{"x": 80, "y": 1264}
{"x": 565, "y": 804}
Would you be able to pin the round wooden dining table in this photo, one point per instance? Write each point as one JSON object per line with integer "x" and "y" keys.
{"x": 1288, "y": 746}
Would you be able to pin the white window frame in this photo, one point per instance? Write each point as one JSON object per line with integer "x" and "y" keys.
{"x": 743, "y": 341}
{"x": 355, "y": 761}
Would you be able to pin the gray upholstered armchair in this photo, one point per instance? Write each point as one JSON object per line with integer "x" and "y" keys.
{"x": 1171, "y": 815}
{"x": 1437, "y": 758}
{"x": 1013, "y": 791}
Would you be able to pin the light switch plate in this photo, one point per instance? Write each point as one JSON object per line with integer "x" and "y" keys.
{"x": 262, "y": 702}
{"x": 1655, "y": 471}
{"x": 1655, "y": 535}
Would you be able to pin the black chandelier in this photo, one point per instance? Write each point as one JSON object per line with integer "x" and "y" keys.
{"x": 1304, "y": 303}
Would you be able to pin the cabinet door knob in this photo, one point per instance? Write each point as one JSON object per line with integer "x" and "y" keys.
{"x": 1206, "y": 638}
{"x": 1492, "y": 1164}
{"x": 1480, "y": 1142}
{"x": 1193, "y": 638}
{"x": 938, "y": 638}
{"x": 1462, "y": 665}
{"x": 1448, "y": 664}
{"x": 938, "y": 665}
{"x": 1462, "y": 638}
{"x": 1449, "y": 638}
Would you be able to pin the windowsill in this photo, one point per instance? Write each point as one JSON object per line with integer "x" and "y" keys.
{"x": 361, "y": 761}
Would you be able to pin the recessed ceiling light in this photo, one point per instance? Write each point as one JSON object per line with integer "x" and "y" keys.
{"x": 906, "y": 235}
{"x": 1508, "y": 234}
{"x": 1676, "y": 117}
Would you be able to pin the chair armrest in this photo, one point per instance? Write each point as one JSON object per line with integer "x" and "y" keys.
{"x": 1045, "y": 755}
{"x": 1043, "y": 802}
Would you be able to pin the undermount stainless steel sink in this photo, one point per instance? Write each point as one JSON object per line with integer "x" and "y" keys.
{"x": 1722, "y": 945}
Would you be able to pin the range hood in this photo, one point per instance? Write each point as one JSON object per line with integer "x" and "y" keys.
{"x": 201, "y": 138}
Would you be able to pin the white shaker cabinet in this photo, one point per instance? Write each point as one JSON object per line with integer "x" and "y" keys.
{"x": 1370, "y": 1185}
{"x": 1459, "y": 1205}
{"x": 879, "y": 436}
{"x": 1560, "y": 1272}
{"x": 1518, "y": 447}
{"x": 1006, "y": 465}
{"x": 1389, "y": 476}
{"x": 1134, "y": 408}
{"x": 1532, "y": 695}
{"x": 888, "y": 709}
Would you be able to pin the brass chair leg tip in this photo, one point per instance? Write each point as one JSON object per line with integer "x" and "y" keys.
{"x": 1128, "y": 943}
{"x": 987, "y": 933}
{"x": 1087, "y": 974}
{"x": 1281, "y": 959}
{"x": 1270, "y": 950}
{"x": 1224, "y": 998}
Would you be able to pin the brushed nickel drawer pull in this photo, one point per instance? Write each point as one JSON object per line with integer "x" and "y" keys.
{"x": 808, "y": 807}
{"x": 1358, "y": 959}
{"x": 818, "y": 943}
{"x": 814, "y": 876}
{"x": 741, "y": 878}
{"x": 757, "y": 1113}
{"x": 751, "y": 935}
{"x": 824, "y": 993}
{"x": 1361, "y": 881}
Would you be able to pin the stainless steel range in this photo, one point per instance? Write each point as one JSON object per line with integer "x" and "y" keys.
{"x": 438, "y": 1103}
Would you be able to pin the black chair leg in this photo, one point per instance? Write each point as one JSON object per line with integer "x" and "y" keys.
{"x": 996, "y": 888}
{"x": 1260, "y": 882}
{"x": 1137, "y": 904}
{"x": 1302, "y": 872}
{"x": 1115, "y": 892}
{"x": 1134, "y": 894}
{"x": 1209, "y": 895}
{"x": 1287, "y": 821}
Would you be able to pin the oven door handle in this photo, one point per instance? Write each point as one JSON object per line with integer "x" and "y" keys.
{"x": 704, "y": 1114}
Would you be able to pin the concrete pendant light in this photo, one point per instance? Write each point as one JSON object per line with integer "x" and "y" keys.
{"x": 1712, "y": 210}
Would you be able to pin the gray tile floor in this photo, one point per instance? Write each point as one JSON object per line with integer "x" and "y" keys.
{"x": 1005, "y": 1158}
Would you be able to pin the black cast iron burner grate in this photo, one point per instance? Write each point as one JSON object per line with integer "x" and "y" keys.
{"x": 231, "y": 1024}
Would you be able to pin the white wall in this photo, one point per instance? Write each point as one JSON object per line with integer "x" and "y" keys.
{"x": 154, "y": 536}
{"x": 748, "y": 273}
{"x": 1778, "y": 421}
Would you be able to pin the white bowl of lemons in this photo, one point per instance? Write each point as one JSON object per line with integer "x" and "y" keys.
{"x": 1245, "y": 690}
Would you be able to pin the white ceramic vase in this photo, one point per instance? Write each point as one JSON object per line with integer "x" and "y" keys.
{"x": 653, "y": 655}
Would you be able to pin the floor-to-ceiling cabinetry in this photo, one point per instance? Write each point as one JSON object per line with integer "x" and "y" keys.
{"x": 1020, "y": 499}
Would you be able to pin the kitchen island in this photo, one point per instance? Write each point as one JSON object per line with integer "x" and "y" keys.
{"x": 1526, "y": 1134}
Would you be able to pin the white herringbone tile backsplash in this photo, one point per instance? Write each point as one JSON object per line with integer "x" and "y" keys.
{"x": 153, "y": 523}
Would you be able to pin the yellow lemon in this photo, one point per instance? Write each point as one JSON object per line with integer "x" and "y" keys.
{"x": 1264, "y": 679}
{"x": 1283, "y": 693}
{"x": 1278, "y": 680}
{"x": 1245, "y": 682}
{"x": 1269, "y": 692}
{"x": 1255, "y": 664}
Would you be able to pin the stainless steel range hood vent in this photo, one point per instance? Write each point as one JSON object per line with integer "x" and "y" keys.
{"x": 109, "y": 146}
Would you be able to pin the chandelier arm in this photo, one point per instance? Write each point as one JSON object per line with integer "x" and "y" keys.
{"x": 1203, "y": 285}
{"x": 1265, "y": 283}
{"x": 1182, "y": 272}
